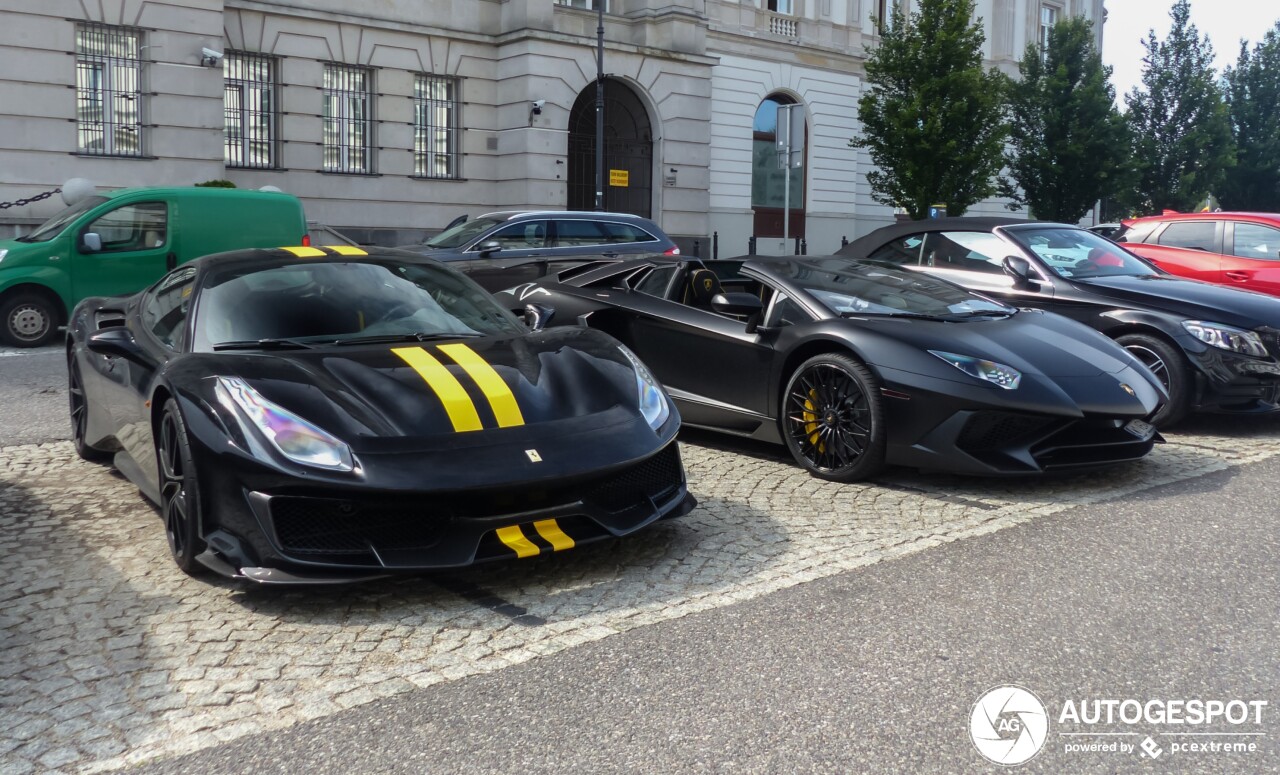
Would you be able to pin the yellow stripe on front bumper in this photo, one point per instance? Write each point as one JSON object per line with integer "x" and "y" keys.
{"x": 457, "y": 404}
{"x": 306, "y": 252}
{"x": 501, "y": 399}
{"x": 515, "y": 540}
{"x": 346, "y": 250}
{"x": 552, "y": 534}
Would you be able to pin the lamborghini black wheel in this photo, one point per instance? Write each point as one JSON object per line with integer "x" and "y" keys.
{"x": 80, "y": 416}
{"x": 179, "y": 490}
{"x": 1171, "y": 368}
{"x": 833, "y": 418}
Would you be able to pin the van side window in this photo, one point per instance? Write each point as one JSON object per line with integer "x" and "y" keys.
{"x": 138, "y": 226}
{"x": 167, "y": 306}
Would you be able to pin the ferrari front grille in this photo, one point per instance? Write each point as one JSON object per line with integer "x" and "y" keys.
{"x": 329, "y": 526}
{"x": 654, "y": 478}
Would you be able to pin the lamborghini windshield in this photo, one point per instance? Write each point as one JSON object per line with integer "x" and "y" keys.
{"x": 853, "y": 288}
{"x": 1078, "y": 254}
{"x": 317, "y": 302}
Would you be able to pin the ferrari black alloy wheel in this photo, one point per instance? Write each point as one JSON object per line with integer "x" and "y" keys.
{"x": 80, "y": 416}
{"x": 179, "y": 490}
{"x": 1170, "y": 368}
{"x": 833, "y": 418}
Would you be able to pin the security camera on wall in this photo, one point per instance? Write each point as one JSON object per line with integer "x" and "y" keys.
{"x": 537, "y": 107}
{"x": 210, "y": 58}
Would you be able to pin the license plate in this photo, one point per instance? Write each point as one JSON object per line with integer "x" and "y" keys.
{"x": 1139, "y": 428}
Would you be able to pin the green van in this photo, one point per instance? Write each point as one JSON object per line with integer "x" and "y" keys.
{"x": 121, "y": 241}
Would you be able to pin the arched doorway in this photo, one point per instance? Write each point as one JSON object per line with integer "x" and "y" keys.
{"x": 628, "y": 146}
{"x": 768, "y": 180}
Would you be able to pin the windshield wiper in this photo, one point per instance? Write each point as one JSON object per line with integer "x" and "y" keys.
{"x": 985, "y": 313}
{"x": 262, "y": 344}
{"x": 418, "y": 336}
{"x": 911, "y": 315}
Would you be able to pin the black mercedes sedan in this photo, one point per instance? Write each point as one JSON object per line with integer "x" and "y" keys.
{"x": 855, "y": 364}
{"x": 324, "y": 414}
{"x": 1214, "y": 349}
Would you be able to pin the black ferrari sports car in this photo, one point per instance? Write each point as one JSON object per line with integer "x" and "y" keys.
{"x": 853, "y": 364}
{"x": 325, "y": 414}
{"x": 1214, "y": 349}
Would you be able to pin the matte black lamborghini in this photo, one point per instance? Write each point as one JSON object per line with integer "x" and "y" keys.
{"x": 307, "y": 414}
{"x": 853, "y": 364}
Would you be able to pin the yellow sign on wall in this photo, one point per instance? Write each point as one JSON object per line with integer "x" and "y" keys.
{"x": 619, "y": 178}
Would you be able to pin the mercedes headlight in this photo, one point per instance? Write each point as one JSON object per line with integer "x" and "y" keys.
{"x": 997, "y": 374}
{"x": 653, "y": 402}
{"x": 1236, "y": 340}
{"x": 294, "y": 437}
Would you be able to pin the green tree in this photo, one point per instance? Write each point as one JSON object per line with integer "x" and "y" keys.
{"x": 932, "y": 117}
{"x": 1182, "y": 136}
{"x": 1253, "y": 97}
{"x": 1070, "y": 145}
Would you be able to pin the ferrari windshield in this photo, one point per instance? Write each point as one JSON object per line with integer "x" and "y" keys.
{"x": 331, "y": 302}
{"x": 1078, "y": 254}
{"x": 853, "y": 288}
{"x": 463, "y": 233}
{"x": 54, "y": 226}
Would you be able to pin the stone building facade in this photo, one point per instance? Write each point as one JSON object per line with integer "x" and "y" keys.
{"x": 390, "y": 119}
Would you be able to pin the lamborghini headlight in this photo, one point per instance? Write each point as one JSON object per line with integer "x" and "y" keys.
{"x": 294, "y": 437}
{"x": 1226, "y": 337}
{"x": 997, "y": 374}
{"x": 653, "y": 402}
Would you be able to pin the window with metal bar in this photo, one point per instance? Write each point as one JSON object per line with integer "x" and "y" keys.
{"x": 250, "y": 110}
{"x": 108, "y": 90}
{"x": 1048, "y": 18}
{"x": 589, "y": 5}
{"x": 348, "y": 118}
{"x": 435, "y": 126}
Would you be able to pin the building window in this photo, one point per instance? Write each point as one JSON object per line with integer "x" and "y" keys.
{"x": 435, "y": 126}
{"x": 348, "y": 119}
{"x": 1048, "y": 18}
{"x": 781, "y": 6}
{"x": 249, "y": 107}
{"x": 108, "y": 90}
{"x": 777, "y": 189}
{"x": 589, "y": 5}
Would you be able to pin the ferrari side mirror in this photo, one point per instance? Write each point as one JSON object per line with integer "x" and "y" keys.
{"x": 115, "y": 342}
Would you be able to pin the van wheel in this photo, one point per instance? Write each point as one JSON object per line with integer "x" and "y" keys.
{"x": 28, "y": 320}
{"x": 1170, "y": 368}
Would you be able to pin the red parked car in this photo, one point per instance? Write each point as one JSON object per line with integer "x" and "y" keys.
{"x": 1237, "y": 249}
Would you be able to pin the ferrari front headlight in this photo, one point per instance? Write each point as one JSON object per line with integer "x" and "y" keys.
{"x": 294, "y": 437}
{"x": 997, "y": 374}
{"x": 653, "y": 402}
{"x": 1223, "y": 337}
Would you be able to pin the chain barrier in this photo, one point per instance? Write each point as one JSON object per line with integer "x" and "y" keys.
{"x": 29, "y": 200}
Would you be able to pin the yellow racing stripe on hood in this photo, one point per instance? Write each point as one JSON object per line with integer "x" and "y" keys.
{"x": 346, "y": 250}
{"x": 457, "y": 404}
{"x": 501, "y": 399}
{"x": 302, "y": 251}
{"x": 516, "y": 541}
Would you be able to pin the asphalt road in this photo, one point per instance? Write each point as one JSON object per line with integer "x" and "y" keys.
{"x": 33, "y": 395}
{"x": 1173, "y": 595}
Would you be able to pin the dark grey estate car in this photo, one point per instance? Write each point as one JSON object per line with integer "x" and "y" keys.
{"x": 504, "y": 249}
{"x": 546, "y": 234}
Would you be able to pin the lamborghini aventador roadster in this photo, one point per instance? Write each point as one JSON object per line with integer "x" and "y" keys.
{"x": 307, "y": 414}
{"x": 854, "y": 364}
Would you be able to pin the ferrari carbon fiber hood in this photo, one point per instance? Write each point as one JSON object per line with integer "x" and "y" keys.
{"x": 1191, "y": 299}
{"x": 410, "y": 390}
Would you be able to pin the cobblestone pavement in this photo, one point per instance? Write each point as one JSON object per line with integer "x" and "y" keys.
{"x": 110, "y": 656}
